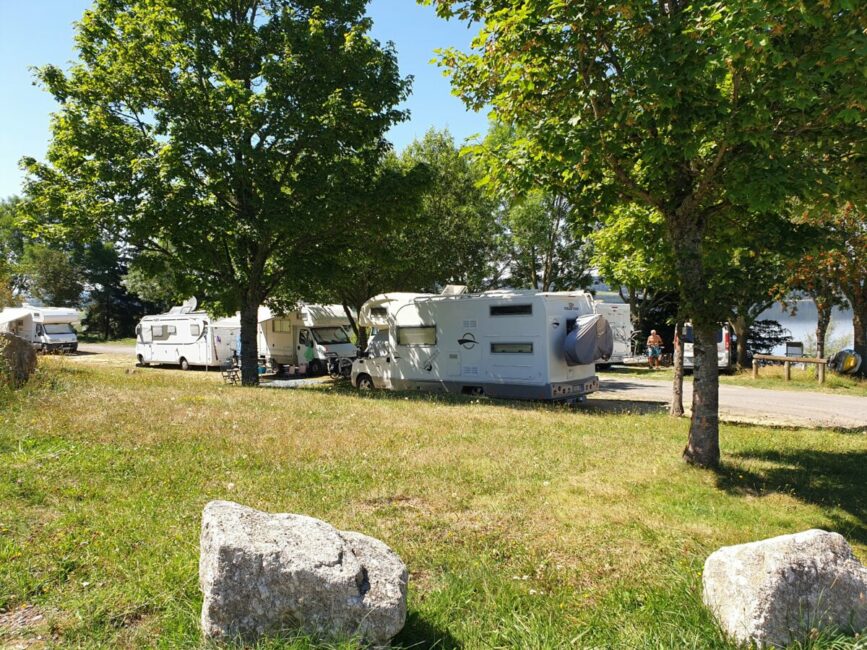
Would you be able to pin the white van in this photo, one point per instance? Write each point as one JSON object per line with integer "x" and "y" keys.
{"x": 306, "y": 337}
{"x": 510, "y": 344}
{"x": 619, "y": 318}
{"x": 726, "y": 357}
{"x": 48, "y": 329}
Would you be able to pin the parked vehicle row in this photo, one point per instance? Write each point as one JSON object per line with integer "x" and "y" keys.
{"x": 305, "y": 338}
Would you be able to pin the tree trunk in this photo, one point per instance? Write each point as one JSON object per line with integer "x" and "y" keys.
{"x": 742, "y": 331}
{"x": 249, "y": 343}
{"x": 824, "y": 310}
{"x": 859, "y": 323}
{"x": 677, "y": 386}
{"x": 360, "y": 332}
{"x": 702, "y": 448}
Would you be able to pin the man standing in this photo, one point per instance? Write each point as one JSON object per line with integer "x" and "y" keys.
{"x": 654, "y": 349}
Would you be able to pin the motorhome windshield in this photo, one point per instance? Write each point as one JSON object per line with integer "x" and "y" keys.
{"x": 58, "y": 328}
{"x": 330, "y": 335}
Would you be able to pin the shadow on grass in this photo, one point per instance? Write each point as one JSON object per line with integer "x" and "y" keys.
{"x": 828, "y": 479}
{"x": 596, "y": 404}
{"x": 420, "y": 634}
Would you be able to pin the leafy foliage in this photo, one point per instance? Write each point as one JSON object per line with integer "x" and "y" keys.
{"x": 702, "y": 112}
{"x": 210, "y": 134}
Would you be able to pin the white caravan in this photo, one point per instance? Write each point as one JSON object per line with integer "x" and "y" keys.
{"x": 308, "y": 336}
{"x": 185, "y": 337}
{"x": 48, "y": 329}
{"x": 510, "y": 344}
{"x": 619, "y": 317}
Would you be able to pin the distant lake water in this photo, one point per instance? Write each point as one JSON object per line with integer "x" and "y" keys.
{"x": 803, "y": 323}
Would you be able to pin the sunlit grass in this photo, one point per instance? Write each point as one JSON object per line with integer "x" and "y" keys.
{"x": 523, "y": 525}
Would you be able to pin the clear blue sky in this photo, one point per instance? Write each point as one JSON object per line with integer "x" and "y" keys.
{"x": 36, "y": 32}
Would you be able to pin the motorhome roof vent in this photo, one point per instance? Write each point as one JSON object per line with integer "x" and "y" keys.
{"x": 454, "y": 290}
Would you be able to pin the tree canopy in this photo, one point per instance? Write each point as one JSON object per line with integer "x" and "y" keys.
{"x": 209, "y": 134}
{"x": 701, "y": 112}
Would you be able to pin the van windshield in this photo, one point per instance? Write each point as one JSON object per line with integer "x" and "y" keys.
{"x": 330, "y": 335}
{"x": 58, "y": 328}
{"x": 689, "y": 337}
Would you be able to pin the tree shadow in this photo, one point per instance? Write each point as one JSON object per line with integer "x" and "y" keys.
{"x": 420, "y": 634}
{"x": 833, "y": 480}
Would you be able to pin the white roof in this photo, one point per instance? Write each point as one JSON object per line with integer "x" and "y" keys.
{"x": 14, "y": 313}
{"x": 40, "y": 314}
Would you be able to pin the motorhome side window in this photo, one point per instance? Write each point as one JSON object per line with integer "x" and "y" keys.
{"x": 163, "y": 332}
{"x": 511, "y": 348}
{"x": 195, "y": 329}
{"x": 379, "y": 312}
{"x": 511, "y": 310}
{"x": 281, "y": 325}
{"x": 417, "y": 335}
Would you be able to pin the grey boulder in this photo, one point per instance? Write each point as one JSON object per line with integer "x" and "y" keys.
{"x": 270, "y": 574}
{"x": 771, "y": 593}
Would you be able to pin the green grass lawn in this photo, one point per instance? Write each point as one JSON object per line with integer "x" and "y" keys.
{"x": 523, "y": 525}
{"x": 769, "y": 377}
{"x": 89, "y": 338}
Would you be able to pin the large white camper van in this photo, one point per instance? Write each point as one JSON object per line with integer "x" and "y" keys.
{"x": 185, "y": 337}
{"x": 48, "y": 329}
{"x": 510, "y": 344}
{"x": 308, "y": 336}
{"x": 620, "y": 320}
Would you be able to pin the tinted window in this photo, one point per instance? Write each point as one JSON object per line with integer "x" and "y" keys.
{"x": 379, "y": 312}
{"x": 511, "y": 310}
{"x": 512, "y": 348}
{"x": 424, "y": 335}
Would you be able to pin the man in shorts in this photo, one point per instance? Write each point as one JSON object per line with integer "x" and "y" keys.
{"x": 654, "y": 349}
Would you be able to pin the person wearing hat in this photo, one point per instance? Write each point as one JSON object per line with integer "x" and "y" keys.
{"x": 654, "y": 349}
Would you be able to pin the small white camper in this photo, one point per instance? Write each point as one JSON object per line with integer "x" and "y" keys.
{"x": 618, "y": 316}
{"x": 184, "y": 337}
{"x": 726, "y": 356}
{"x": 510, "y": 344}
{"x": 48, "y": 329}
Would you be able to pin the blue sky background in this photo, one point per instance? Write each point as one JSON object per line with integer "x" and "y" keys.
{"x": 36, "y": 32}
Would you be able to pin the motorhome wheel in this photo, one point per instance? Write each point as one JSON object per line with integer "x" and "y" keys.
{"x": 364, "y": 382}
{"x": 314, "y": 368}
{"x": 140, "y": 359}
{"x": 185, "y": 365}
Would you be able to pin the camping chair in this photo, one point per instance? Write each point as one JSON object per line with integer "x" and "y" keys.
{"x": 231, "y": 371}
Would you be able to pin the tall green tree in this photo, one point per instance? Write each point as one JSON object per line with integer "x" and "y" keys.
{"x": 12, "y": 241}
{"x": 210, "y": 132}
{"x": 699, "y": 111}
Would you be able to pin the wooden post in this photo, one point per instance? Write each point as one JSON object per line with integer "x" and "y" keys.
{"x": 820, "y": 371}
{"x": 755, "y": 368}
{"x": 788, "y": 367}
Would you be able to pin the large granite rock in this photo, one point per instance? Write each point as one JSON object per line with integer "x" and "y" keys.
{"x": 17, "y": 359}
{"x": 267, "y": 574}
{"x": 770, "y": 593}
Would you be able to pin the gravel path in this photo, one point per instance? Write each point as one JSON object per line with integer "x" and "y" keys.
{"x": 753, "y": 405}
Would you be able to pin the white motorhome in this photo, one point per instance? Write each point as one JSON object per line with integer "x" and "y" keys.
{"x": 726, "y": 357}
{"x": 510, "y": 344}
{"x": 185, "y": 337}
{"x": 308, "y": 336}
{"x": 619, "y": 317}
{"x": 48, "y": 329}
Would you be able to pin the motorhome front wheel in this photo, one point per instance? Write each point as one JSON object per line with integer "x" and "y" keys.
{"x": 185, "y": 365}
{"x": 364, "y": 382}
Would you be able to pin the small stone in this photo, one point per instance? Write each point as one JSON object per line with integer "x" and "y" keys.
{"x": 270, "y": 574}
{"x": 774, "y": 592}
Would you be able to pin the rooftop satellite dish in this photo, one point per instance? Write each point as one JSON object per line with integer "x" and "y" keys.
{"x": 189, "y": 305}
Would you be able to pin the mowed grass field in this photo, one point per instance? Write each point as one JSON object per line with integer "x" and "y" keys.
{"x": 522, "y": 525}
